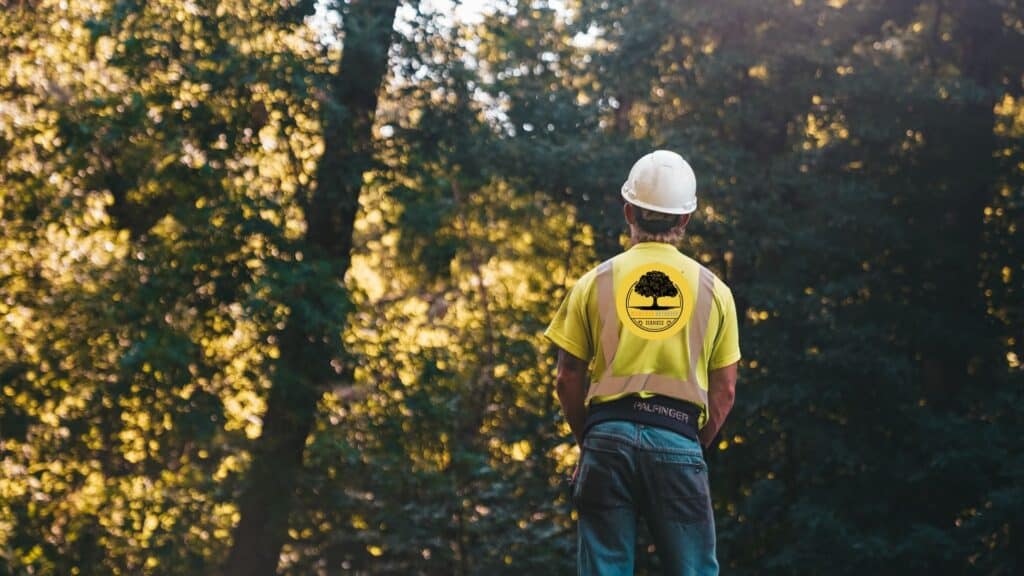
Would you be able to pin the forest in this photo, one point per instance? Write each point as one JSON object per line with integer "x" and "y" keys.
{"x": 274, "y": 277}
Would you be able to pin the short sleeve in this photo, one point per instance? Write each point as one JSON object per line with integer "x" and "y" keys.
{"x": 570, "y": 328}
{"x": 726, "y": 347}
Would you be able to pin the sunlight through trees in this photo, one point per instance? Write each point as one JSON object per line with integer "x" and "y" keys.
{"x": 250, "y": 302}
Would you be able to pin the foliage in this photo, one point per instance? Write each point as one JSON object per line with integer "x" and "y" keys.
{"x": 860, "y": 175}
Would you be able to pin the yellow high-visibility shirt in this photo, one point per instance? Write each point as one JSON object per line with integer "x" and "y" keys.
{"x": 576, "y": 326}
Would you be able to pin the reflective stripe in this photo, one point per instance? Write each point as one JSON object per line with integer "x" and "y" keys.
{"x": 606, "y": 310}
{"x": 705, "y": 294}
{"x": 609, "y": 385}
{"x": 654, "y": 383}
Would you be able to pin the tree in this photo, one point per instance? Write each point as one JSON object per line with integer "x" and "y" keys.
{"x": 141, "y": 167}
{"x": 655, "y": 284}
{"x": 310, "y": 344}
{"x": 246, "y": 292}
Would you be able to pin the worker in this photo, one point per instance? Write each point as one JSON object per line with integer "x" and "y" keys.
{"x": 661, "y": 332}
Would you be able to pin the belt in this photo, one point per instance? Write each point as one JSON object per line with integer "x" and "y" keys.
{"x": 677, "y": 415}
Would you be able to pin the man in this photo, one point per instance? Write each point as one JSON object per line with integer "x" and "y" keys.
{"x": 661, "y": 331}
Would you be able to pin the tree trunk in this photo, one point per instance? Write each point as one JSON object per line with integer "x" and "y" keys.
{"x": 951, "y": 361}
{"x": 311, "y": 336}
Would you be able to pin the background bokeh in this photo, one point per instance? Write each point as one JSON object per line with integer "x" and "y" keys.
{"x": 230, "y": 272}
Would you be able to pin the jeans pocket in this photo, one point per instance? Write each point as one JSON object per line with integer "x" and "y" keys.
{"x": 683, "y": 492}
{"x": 574, "y": 485}
{"x": 597, "y": 486}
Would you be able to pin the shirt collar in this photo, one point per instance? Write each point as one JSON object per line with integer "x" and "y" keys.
{"x": 652, "y": 246}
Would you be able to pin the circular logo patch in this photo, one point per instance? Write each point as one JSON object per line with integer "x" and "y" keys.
{"x": 654, "y": 301}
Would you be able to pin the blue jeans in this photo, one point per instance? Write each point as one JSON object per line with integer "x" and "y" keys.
{"x": 629, "y": 470}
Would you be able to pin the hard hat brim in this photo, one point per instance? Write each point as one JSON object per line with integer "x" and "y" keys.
{"x": 687, "y": 209}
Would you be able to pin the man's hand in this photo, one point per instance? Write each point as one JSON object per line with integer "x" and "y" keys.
{"x": 721, "y": 395}
{"x": 571, "y": 386}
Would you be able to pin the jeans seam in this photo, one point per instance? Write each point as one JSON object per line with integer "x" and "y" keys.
{"x": 634, "y": 439}
{"x": 623, "y": 441}
{"x": 691, "y": 453}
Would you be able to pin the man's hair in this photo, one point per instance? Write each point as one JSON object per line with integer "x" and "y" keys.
{"x": 653, "y": 226}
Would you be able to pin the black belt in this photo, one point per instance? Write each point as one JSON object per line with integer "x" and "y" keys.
{"x": 661, "y": 411}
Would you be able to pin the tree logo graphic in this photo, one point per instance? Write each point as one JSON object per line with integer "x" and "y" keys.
{"x": 655, "y": 284}
{"x": 654, "y": 302}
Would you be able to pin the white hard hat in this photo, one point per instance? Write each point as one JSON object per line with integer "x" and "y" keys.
{"x": 662, "y": 181}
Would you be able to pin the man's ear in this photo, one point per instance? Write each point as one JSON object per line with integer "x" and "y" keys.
{"x": 629, "y": 212}
{"x": 684, "y": 219}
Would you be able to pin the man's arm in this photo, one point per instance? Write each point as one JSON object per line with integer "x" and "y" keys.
{"x": 721, "y": 395}
{"x": 571, "y": 386}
